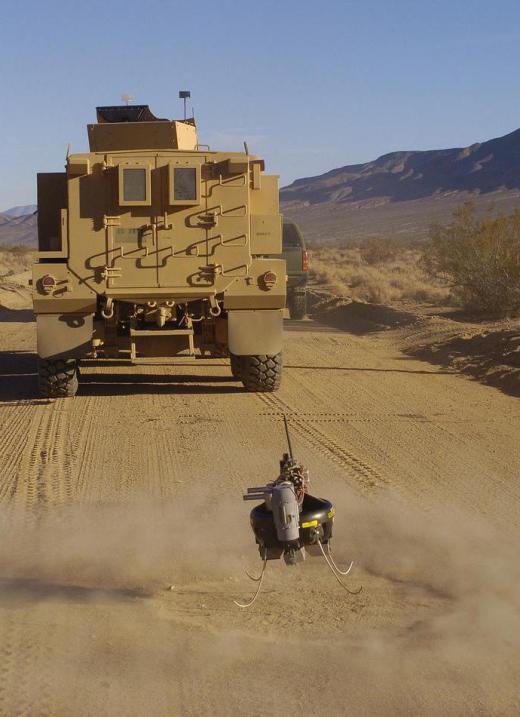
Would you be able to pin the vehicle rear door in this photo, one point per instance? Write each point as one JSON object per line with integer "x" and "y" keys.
{"x": 131, "y": 231}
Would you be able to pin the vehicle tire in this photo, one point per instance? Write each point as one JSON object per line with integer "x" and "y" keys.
{"x": 261, "y": 373}
{"x": 297, "y": 305}
{"x": 235, "y": 366}
{"x": 57, "y": 378}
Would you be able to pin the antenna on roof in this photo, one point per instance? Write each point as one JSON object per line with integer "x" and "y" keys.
{"x": 126, "y": 98}
{"x": 183, "y": 95}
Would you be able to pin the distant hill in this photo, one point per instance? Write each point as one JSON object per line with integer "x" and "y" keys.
{"x": 18, "y": 231}
{"x": 20, "y": 211}
{"x": 401, "y": 193}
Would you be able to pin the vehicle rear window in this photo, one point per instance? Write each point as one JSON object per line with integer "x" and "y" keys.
{"x": 291, "y": 237}
{"x": 185, "y": 183}
{"x": 134, "y": 183}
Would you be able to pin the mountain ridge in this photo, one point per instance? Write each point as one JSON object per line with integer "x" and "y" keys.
{"x": 400, "y": 194}
{"x": 405, "y": 175}
{"x": 18, "y": 230}
{"x": 19, "y": 210}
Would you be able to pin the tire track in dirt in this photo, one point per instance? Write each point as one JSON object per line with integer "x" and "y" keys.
{"x": 44, "y": 472}
{"x": 18, "y": 657}
{"x": 424, "y": 445}
{"x": 368, "y": 479}
{"x": 165, "y": 466}
{"x": 7, "y": 664}
{"x": 498, "y": 478}
{"x": 26, "y": 651}
{"x": 95, "y": 442}
{"x": 14, "y": 440}
{"x": 367, "y": 434}
{"x": 84, "y": 447}
{"x": 130, "y": 430}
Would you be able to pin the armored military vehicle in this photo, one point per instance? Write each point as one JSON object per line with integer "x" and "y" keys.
{"x": 152, "y": 245}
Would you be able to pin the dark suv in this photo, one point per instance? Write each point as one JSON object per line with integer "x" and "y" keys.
{"x": 297, "y": 263}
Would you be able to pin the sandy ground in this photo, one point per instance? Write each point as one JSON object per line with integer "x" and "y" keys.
{"x": 14, "y": 291}
{"x": 484, "y": 348}
{"x": 109, "y": 499}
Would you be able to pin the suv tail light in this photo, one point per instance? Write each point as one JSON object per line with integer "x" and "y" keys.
{"x": 305, "y": 260}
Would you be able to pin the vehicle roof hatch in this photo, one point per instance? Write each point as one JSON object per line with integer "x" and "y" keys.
{"x": 126, "y": 113}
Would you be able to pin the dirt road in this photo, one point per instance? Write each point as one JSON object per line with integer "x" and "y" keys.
{"x": 123, "y": 538}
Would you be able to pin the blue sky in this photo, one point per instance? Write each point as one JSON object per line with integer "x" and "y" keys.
{"x": 309, "y": 85}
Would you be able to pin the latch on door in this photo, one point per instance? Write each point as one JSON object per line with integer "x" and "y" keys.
{"x": 209, "y": 219}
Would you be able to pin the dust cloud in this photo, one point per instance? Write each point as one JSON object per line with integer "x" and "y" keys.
{"x": 438, "y": 619}
{"x": 470, "y": 577}
{"x": 114, "y": 544}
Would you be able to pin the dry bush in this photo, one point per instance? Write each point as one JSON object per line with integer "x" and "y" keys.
{"x": 378, "y": 251}
{"x": 15, "y": 260}
{"x": 479, "y": 258}
{"x": 345, "y": 272}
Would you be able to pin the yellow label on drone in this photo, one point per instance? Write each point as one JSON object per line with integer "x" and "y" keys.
{"x": 310, "y": 524}
{"x": 331, "y": 513}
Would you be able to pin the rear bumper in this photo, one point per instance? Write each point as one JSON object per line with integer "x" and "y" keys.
{"x": 180, "y": 294}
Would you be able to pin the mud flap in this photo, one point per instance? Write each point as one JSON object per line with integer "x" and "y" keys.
{"x": 254, "y": 333}
{"x": 64, "y": 335}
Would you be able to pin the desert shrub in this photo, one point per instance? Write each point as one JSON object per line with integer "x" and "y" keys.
{"x": 424, "y": 293}
{"x": 479, "y": 258}
{"x": 376, "y": 293}
{"x": 377, "y": 251}
{"x": 342, "y": 272}
{"x": 321, "y": 277}
{"x": 15, "y": 259}
{"x": 16, "y": 249}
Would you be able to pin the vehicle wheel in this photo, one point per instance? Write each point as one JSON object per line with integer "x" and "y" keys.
{"x": 297, "y": 305}
{"x": 235, "y": 366}
{"x": 261, "y": 373}
{"x": 57, "y": 378}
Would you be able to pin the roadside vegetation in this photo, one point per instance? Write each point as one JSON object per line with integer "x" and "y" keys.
{"x": 472, "y": 262}
{"x": 15, "y": 260}
{"x": 379, "y": 271}
{"x": 479, "y": 259}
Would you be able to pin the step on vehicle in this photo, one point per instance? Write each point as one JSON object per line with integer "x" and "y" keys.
{"x": 152, "y": 245}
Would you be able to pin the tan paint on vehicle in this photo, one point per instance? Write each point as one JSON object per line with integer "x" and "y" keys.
{"x": 148, "y": 231}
